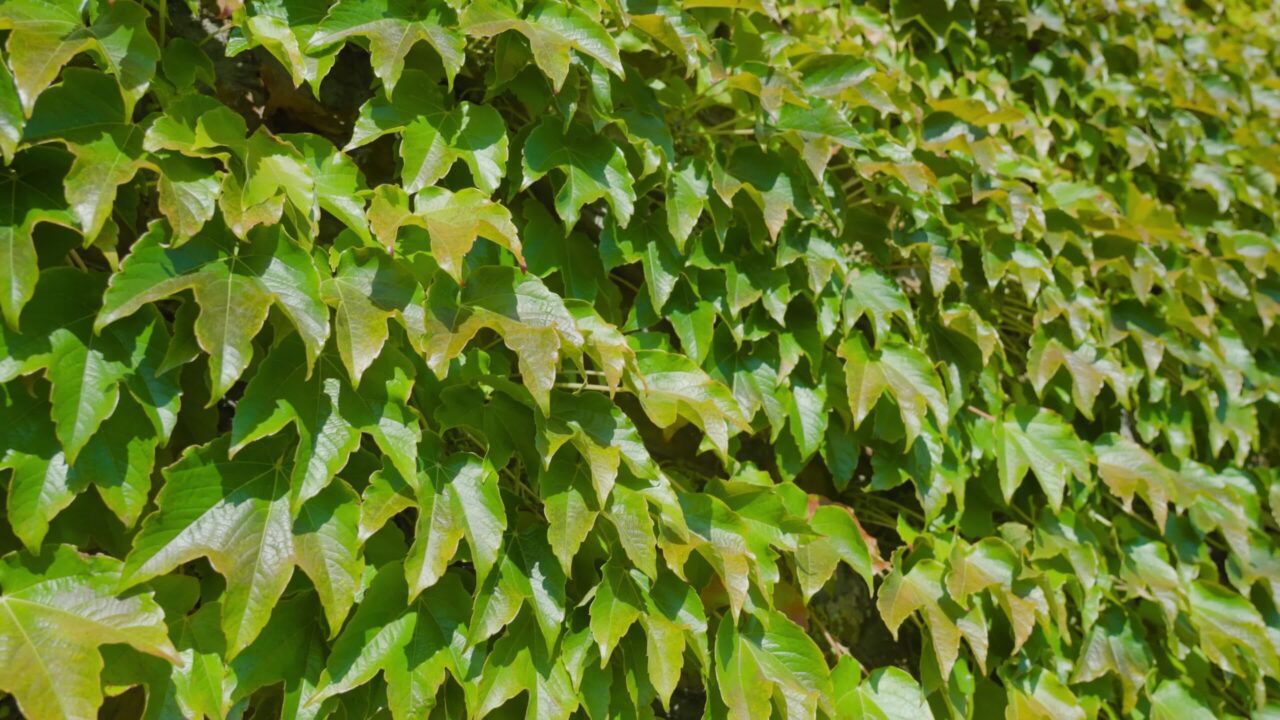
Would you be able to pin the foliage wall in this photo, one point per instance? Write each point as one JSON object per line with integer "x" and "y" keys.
{"x": 634, "y": 358}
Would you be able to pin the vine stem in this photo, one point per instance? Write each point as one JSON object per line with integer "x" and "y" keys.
{"x": 585, "y": 386}
{"x": 837, "y": 647}
{"x": 981, "y": 413}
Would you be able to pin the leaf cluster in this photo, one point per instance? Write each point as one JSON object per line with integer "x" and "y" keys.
{"x": 639, "y": 358}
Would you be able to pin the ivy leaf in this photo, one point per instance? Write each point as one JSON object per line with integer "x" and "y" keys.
{"x": 60, "y": 607}
{"x": 38, "y": 173}
{"x": 743, "y": 685}
{"x": 87, "y": 112}
{"x": 1128, "y": 469}
{"x": 687, "y": 188}
{"x": 837, "y": 539}
{"x": 326, "y": 539}
{"x": 477, "y": 505}
{"x": 921, "y": 588}
{"x": 569, "y": 504}
{"x": 337, "y": 185}
{"x": 234, "y": 285}
{"x": 433, "y": 136}
{"x": 618, "y": 603}
{"x": 367, "y": 289}
{"x": 603, "y": 435}
{"x": 1231, "y": 629}
{"x": 41, "y": 484}
{"x": 86, "y": 370}
{"x": 1111, "y": 646}
{"x": 45, "y": 36}
{"x": 1042, "y": 694}
{"x": 119, "y": 459}
{"x": 285, "y": 29}
{"x": 1174, "y": 701}
{"x": 1039, "y": 440}
{"x": 235, "y": 512}
{"x": 628, "y": 510}
{"x": 11, "y": 116}
{"x": 189, "y": 190}
{"x": 674, "y": 619}
{"x": 878, "y": 297}
{"x": 392, "y": 27}
{"x": 552, "y": 28}
{"x": 899, "y": 368}
{"x": 895, "y": 694}
{"x": 414, "y": 643}
{"x": 456, "y": 498}
{"x": 1088, "y": 369}
{"x": 723, "y": 535}
{"x": 517, "y": 666}
{"x": 805, "y": 410}
{"x": 592, "y": 166}
{"x": 329, "y": 413}
{"x": 671, "y": 386}
{"x": 453, "y": 220}
{"x": 532, "y": 321}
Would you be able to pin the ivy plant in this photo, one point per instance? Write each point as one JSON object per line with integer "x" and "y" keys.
{"x": 401, "y": 359}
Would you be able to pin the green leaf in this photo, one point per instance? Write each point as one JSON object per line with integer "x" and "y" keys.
{"x": 392, "y": 27}
{"x": 337, "y": 186}
{"x": 367, "y": 289}
{"x": 743, "y": 685}
{"x": 674, "y": 619}
{"x": 453, "y": 220}
{"x": 1231, "y": 630}
{"x": 592, "y": 167}
{"x": 59, "y": 607}
{"x": 434, "y": 136}
{"x": 687, "y": 188}
{"x": 838, "y": 539}
{"x": 899, "y": 368}
{"x": 570, "y": 505}
{"x": 532, "y": 321}
{"x": 328, "y": 412}
{"x": 285, "y": 28}
{"x": 38, "y": 173}
{"x": 671, "y": 386}
{"x": 327, "y": 542}
{"x": 11, "y": 115}
{"x": 477, "y": 506}
{"x": 456, "y": 498}
{"x": 1042, "y": 695}
{"x": 552, "y": 28}
{"x": 1174, "y": 701}
{"x": 414, "y": 643}
{"x": 895, "y": 695}
{"x": 517, "y": 666}
{"x": 617, "y": 605}
{"x": 107, "y": 148}
{"x": 235, "y": 512}
{"x": 921, "y": 588}
{"x": 188, "y": 192}
{"x": 44, "y": 36}
{"x": 234, "y": 284}
{"x": 1038, "y": 440}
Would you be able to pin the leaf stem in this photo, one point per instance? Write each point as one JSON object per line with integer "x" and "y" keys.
{"x": 981, "y": 413}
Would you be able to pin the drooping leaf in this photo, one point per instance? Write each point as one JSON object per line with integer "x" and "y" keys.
{"x": 1038, "y": 440}
{"x": 591, "y": 166}
{"x": 392, "y": 27}
{"x": 59, "y": 607}
{"x": 552, "y": 28}
{"x": 235, "y": 286}
{"x": 233, "y": 511}
{"x": 434, "y": 136}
